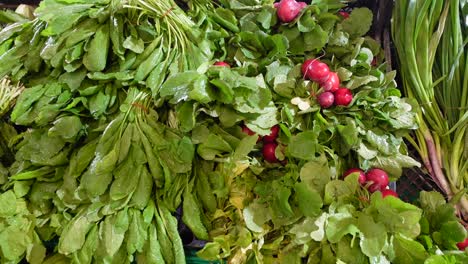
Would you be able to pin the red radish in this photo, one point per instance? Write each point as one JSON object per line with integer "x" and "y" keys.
{"x": 288, "y": 10}
{"x": 247, "y": 130}
{"x": 315, "y": 70}
{"x": 344, "y": 14}
{"x": 222, "y": 64}
{"x": 272, "y": 136}
{"x": 462, "y": 245}
{"x": 331, "y": 83}
{"x": 389, "y": 192}
{"x": 378, "y": 178}
{"x": 305, "y": 67}
{"x": 326, "y": 99}
{"x": 362, "y": 175}
{"x": 269, "y": 152}
{"x": 343, "y": 96}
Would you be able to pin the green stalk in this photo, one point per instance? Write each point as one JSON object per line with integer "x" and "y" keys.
{"x": 430, "y": 37}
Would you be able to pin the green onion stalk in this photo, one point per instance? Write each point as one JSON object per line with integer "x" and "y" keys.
{"x": 430, "y": 38}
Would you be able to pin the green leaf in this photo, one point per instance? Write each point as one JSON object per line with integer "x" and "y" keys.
{"x": 7, "y": 204}
{"x": 137, "y": 232}
{"x": 36, "y": 253}
{"x": 186, "y": 115}
{"x": 86, "y": 253}
{"x": 13, "y": 243}
{"x": 308, "y": 200}
{"x": 373, "y": 235}
{"x": 339, "y": 38}
{"x": 348, "y": 135}
{"x": 213, "y": 146}
{"x": 316, "y": 174}
{"x": 337, "y": 189}
{"x": 394, "y": 164}
{"x": 304, "y": 145}
{"x": 255, "y": 216}
{"x": 265, "y": 120}
{"x": 340, "y": 224}
{"x": 349, "y": 252}
{"x": 245, "y": 146}
{"x": 66, "y": 127}
{"x": 192, "y": 215}
{"x": 358, "y": 23}
{"x": 408, "y": 251}
{"x": 396, "y": 215}
{"x": 280, "y": 206}
{"x": 98, "y": 104}
{"x": 315, "y": 39}
{"x": 267, "y": 17}
{"x": 74, "y": 234}
{"x": 21, "y": 188}
{"x": 452, "y": 232}
{"x": 113, "y": 231}
{"x": 178, "y": 86}
{"x": 134, "y": 44}
{"x": 358, "y": 81}
{"x": 307, "y": 230}
{"x": 306, "y": 22}
{"x": 201, "y": 91}
{"x": 386, "y": 144}
{"x": 430, "y": 201}
{"x": 210, "y": 251}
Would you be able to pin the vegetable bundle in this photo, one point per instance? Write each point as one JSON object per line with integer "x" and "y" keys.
{"x": 134, "y": 109}
{"x": 430, "y": 39}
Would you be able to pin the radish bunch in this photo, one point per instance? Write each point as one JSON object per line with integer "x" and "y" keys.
{"x": 374, "y": 179}
{"x": 333, "y": 94}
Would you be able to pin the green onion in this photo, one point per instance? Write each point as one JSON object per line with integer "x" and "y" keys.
{"x": 430, "y": 38}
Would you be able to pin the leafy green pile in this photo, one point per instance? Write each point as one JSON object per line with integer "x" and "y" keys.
{"x": 126, "y": 119}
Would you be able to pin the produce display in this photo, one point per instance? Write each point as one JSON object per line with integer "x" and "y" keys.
{"x": 274, "y": 128}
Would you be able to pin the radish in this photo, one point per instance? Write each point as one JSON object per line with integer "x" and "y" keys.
{"x": 462, "y": 245}
{"x": 362, "y": 175}
{"x": 378, "y": 179}
{"x": 269, "y": 152}
{"x": 389, "y": 192}
{"x": 288, "y": 10}
{"x": 222, "y": 64}
{"x": 272, "y": 136}
{"x": 331, "y": 83}
{"x": 343, "y": 96}
{"x": 344, "y": 14}
{"x": 247, "y": 130}
{"x": 326, "y": 99}
{"x": 315, "y": 70}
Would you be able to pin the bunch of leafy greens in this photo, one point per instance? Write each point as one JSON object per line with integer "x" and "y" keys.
{"x": 127, "y": 120}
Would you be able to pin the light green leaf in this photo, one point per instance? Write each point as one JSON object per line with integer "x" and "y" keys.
{"x": 7, "y": 204}
{"x": 408, "y": 251}
{"x": 373, "y": 236}
{"x": 316, "y": 174}
{"x": 304, "y": 145}
{"x": 358, "y": 23}
{"x": 308, "y": 199}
